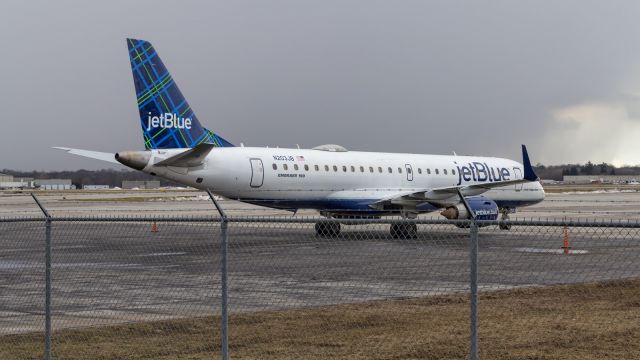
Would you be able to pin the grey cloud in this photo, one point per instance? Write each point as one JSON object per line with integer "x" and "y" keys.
{"x": 409, "y": 76}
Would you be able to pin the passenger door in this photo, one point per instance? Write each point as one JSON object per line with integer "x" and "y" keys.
{"x": 518, "y": 175}
{"x": 409, "y": 172}
{"x": 257, "y": 173}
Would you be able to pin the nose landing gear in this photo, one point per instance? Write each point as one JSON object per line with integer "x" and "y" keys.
{"x": 504, "y": 217}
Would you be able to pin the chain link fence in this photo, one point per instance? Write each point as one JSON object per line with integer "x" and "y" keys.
{"x": 156, "y": 287}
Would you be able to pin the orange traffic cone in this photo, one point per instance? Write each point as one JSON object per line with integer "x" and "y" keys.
{"x": 154, "y": 227}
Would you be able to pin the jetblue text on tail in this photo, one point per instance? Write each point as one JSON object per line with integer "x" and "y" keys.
{"x": 168, "y": 121}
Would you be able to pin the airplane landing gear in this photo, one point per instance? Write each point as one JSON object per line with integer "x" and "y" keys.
{"x": 327, "y": 229}
{"x": 404, "y": 231}
{"x": 505, "y": 216}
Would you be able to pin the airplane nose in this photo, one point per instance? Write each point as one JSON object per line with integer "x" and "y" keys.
{"x": 134, "y": 159}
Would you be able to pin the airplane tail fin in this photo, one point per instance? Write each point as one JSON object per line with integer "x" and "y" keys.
{"x": 165, "y": 115}
{"x": 529, "y": 174}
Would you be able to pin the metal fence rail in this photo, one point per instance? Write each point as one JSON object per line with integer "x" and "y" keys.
{"x": 209, "y": 275}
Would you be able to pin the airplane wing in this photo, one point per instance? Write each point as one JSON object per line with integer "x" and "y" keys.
{"x": 103, "y": 156}
{"x": 189, "y": 158}
{"x": 450, "y": 195}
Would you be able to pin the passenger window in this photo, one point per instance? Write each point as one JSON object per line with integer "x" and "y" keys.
{"x": 361, "y": 168}
{"x": 275, "y": 167}
{"x": 344, "y": 168}
{"x": 295, "y": 166}
{"x": 284, "y": 166}
{"x": 326, "y": 168}
{"x": 353, "y": 169}
{"x": 437, "y": 171}
{"x": 453, "y": 172}
{"x": 380, "y": 169}
{"x": 370, "y": 169}
{"x": 408, "y": 170}
{"x": 419, "y": 171}
{"x": 306, "y": 167}
{"x": 335, "y": 168}
{"x": 390, "y": 171}
{"x": 429, "y": 171}
{"x": 445, "y": 171}
{"x": 400, "y": 170}
{"x": 316, "y": 167}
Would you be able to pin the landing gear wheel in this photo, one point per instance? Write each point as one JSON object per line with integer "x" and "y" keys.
{"x": 327, "y": 229}
{"x": 404, "y": 231}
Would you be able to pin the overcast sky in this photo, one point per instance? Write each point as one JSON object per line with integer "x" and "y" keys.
{"x": 475, "y": 77}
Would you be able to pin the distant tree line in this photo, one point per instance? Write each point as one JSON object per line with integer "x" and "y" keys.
{"x": 556, "y": 172}
{"x": 90, "y": 177}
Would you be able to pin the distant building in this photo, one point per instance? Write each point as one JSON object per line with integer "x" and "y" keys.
{"x": 6, "y": 178}
{"x": 55, "y": 184}
{"x": 606, "y": 179}
{"x": 95, "y": 187}
{"x": 137, "y": 184}
{"x": 11, "y": 182}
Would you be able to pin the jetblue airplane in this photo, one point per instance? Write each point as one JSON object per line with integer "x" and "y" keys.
{"x": 330, "y": 179}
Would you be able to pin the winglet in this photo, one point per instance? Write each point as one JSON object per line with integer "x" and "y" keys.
{"x": 529, "y": 174}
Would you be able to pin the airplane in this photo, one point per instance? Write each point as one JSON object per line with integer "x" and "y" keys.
{"x": 336, "y": 182}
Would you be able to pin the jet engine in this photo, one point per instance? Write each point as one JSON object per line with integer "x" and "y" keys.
{"x": 485, "y": 209}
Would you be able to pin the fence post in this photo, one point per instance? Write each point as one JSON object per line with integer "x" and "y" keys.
{"x": 225, "y": 289}
{"x": 473, "y": 254}
{"x": 47, "y": 276}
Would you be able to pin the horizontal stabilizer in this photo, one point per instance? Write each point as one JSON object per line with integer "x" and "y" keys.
{"x": 190, "y": 158}
{"x": 102, "y": 156}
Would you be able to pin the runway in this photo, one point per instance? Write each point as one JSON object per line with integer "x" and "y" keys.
{"x": 106, "y": 273}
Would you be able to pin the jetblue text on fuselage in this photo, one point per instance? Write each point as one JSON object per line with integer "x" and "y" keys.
{"x": 481, "y": 172}
{"x": 168, "y": 121}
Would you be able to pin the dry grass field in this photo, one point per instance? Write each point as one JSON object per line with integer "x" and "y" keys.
{"x": 588, "y": 321}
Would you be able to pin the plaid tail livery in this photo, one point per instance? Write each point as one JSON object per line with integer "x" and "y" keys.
{"x": 167, "y": 120}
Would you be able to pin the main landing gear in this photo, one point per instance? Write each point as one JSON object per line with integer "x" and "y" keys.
{"x": 404, "y": 231}
{"x": 327, "y": 229}
{"x": 400, "y": 230}
{"x": 504, "y": 217}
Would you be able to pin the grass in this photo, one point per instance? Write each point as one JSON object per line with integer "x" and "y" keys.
{"x": 587, "y": 321}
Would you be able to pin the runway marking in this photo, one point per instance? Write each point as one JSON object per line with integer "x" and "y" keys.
{"x": 95, "y": 265}
{"x": 164, "y": 254}
{"x": 551, "y": 251}
{"x": 17, "y": 265}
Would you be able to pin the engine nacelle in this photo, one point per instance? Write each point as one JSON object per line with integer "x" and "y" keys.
{"x": 485, "y": 209}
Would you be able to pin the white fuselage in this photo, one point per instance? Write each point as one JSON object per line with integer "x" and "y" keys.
{"x": 348, "y": 180}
